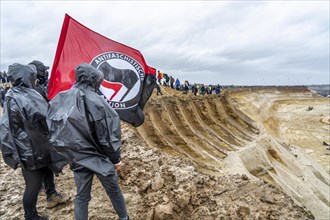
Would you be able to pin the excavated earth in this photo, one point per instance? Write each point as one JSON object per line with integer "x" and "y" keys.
{"x": 248, "y": 153}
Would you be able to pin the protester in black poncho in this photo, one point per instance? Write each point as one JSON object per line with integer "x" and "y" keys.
{"x": 23, "y": 135}
{"x": 85, "y": 129}
{"x": 42, "y": 77}
{"x": 53, "y": 197}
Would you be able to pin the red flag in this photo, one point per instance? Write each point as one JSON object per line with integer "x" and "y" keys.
{"x": 128, "y": 80}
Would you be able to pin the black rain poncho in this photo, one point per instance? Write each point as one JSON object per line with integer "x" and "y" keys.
{"x": 84, "y": 128}
{"x": 23, "y": 128}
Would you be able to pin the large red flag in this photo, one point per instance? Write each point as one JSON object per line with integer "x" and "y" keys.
{"x": 128, "y": 80}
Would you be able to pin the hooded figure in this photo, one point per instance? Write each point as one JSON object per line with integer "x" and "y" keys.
{"x": 53, "y": 197}
{"x": 83, "y": 127}
{"x": 42, "y": 78}
{"x": 23, "y": 127}
{"x": 86, "y": 130}
{"x": 23, "y": 135}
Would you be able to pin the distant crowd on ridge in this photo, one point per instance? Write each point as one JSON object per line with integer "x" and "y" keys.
{"x": 197, "y": 89}
{"x": 163, "y": 79}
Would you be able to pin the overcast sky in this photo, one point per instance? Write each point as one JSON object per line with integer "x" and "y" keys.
{"x": 226, "y": 42}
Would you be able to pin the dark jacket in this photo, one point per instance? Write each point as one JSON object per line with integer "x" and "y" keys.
{"x": 41, "y": 88}
{"x": 42, "y": 76}
{"x": 23, "y": 128}
{"x": 84, "y": 128}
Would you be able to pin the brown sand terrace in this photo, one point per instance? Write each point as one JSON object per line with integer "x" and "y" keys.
{"x": 248, "y": 153}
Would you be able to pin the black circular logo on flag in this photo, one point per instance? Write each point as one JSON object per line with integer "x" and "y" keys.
{"x": 123, "y": 78}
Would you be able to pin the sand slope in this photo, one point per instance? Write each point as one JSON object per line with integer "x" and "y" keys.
{"x": 244, "y": 154}
{"x": 268, "y": 133}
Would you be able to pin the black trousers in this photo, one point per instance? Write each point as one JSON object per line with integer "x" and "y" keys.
{"x": 49, "y": 182}
{"x": 33, "y": 183}
{"x": 84, "y": 182}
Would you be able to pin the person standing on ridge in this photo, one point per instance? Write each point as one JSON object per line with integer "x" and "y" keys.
{"x": 42, "y": 78}
{"x": 24, "y": 135}
{"x": 53, "y": 197}
{"x": 167, "y": 79}
{"x": 159, "y": 77}
{"x": 87, "y": 132}
{"x": 202, "y": 90}
{"x": 172, "y": 80}
{"x": 158, "y": 89}
{"x": 177, "y": 84}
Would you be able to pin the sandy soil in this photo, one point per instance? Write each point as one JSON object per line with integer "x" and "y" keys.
{"x": 253, "y": 153}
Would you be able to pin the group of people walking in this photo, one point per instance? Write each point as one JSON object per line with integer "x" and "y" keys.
{"x": 168, "y": 80}
{"x": 196, "y": 89}
{"x": 40, "y": 137}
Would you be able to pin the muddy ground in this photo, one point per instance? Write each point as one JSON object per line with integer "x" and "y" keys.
{"x": 255, "y": 153}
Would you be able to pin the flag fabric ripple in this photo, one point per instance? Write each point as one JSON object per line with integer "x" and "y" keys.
{"x": 128, "y": 80}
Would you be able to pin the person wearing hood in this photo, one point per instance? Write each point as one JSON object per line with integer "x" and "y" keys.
{"x": 24, "y": 135}
{"x": 53, "y": 197}
{"x": 42, "y": 78}
{"x": 86, "y": 131}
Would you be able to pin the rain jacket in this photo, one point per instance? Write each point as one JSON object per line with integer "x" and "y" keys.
{"x": 23, "y": 128}
{"x": 84, "y": 128}
{"x": 42, "y": 76}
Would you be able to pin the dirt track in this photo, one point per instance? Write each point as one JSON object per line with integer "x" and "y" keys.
{"x": 244, "y": 154}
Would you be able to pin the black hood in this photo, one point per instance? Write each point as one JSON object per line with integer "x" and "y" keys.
{"x": 41, "y": 68}
{"x": 88, "y": 75}
{"x": 22, "y": 75}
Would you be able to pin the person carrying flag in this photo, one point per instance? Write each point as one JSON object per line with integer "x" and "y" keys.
{"x": 86, "y": 131}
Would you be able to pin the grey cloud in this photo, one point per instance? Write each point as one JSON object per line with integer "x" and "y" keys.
{"x": 226, "y": 42}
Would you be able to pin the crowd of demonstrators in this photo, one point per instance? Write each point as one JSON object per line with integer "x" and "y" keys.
{"x": 27, "y": 138}
{"x": 202, "y": 89}
{"x": 196, "y": 89}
